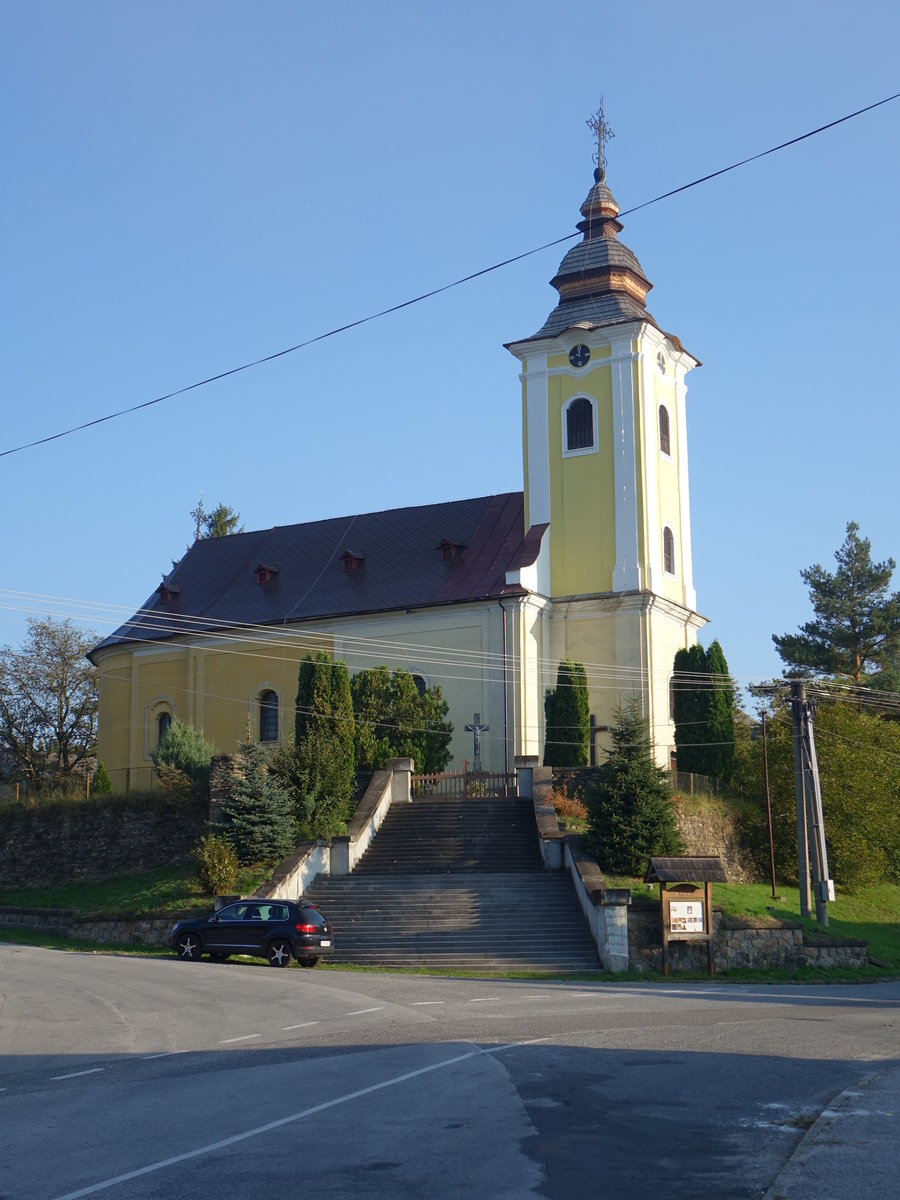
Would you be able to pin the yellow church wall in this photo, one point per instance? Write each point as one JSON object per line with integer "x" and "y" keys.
{"x": 582, "y": 490}
{"x": 214, "y": 685}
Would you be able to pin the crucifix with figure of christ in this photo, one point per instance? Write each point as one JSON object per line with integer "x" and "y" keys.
{"x": 477, "y": 729}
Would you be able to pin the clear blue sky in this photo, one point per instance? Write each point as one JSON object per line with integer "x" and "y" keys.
{"x": 188, "y": 187}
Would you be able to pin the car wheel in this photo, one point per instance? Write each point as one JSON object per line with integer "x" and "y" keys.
{"x": 279, "y": 953}
{"x": 308, "y": 962}
{"x": 219, "y": 957}
{"x": 188, "y": 947}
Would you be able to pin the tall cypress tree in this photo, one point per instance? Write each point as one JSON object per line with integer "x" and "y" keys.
{"x": 704, "y": 712}
{"x": 690, "y": 708}
{"x": 567, "y": 718}
{"x": 719, "y": 750}
{"x": 322, "y": 767}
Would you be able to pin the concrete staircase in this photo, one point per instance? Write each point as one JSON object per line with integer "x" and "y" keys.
{"x": 461, "y": 884}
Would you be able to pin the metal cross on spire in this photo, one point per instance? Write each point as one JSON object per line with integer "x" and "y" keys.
{"x": 602, "y": 131}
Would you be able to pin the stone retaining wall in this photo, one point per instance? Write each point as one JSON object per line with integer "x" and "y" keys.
{"x": 150, "y": 930}
{"x": 96, "y": 839}
{"x": 738, "y": 943}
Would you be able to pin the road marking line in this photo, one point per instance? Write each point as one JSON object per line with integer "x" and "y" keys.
{"x": 76, "y": 1074}
{"x": 422, "y": 1003}
{"x": 165, "y": 1054}
{"x": 213, "y": 1147}
{"x": 483, "y": 999}
{"x": 303, "y": 1025}
{"x": 359, "y": 1011}
{"x": 247, "y": 1037}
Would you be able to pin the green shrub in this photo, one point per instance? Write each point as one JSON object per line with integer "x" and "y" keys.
{"x": 185, "y": 749}
{"x": 101, "y": 784}
{"x": 217, "y": 864}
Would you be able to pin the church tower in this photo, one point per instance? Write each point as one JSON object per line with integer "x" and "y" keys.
{"x": 606, "y": 468}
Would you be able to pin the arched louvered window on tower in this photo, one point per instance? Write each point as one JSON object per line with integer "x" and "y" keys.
{"x": 580, "y": 424}
{"x": 668, "y": 551}
{"x": 268, "y": 717}
{"x": 664, "y": 442}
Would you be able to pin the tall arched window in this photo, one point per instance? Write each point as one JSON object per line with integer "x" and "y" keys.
{"x": 664, "y": 443}
{"x": 668, "y": 551}
{"x": 580, "y": 424}
{"x": 163, "y": 725}
{"x": 268, "y": 717}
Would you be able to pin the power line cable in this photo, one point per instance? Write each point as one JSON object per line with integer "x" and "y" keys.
{"x": 384, "y": 312}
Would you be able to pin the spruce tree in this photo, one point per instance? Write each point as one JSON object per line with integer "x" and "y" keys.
{"x": 629, "y": 802}
{"x": 257, "y": 813}
{"x": 567, "y": 718}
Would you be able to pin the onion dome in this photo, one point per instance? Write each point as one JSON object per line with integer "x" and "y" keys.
{"x": 600, "y": 282}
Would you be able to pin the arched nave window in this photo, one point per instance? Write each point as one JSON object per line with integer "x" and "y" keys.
{"x": 668, "y": 551}
{"x": 163, "y": 725}
{"x": 268, "y": 716}
{"x": 580, "y": 424}
{"x": 664, "y": 442}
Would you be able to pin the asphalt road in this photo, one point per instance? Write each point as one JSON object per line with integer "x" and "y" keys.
{"x": 135, "y": 1077}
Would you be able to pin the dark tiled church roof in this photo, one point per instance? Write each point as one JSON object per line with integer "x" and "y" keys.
{"x": 343, "y": 566}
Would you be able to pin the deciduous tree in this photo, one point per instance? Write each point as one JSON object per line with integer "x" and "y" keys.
{"x": 48, "y": 704}
{"x": 392, "y": 720}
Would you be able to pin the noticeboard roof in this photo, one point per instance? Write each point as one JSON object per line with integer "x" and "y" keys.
{"x": 686, "y": 869}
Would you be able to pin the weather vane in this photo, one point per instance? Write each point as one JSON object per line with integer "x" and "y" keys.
{"x": 602, "y": 131}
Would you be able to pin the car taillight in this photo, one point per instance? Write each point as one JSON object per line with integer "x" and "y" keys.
{"x": 306, "y": 928}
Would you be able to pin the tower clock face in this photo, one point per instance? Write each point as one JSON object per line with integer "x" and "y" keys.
{"x": 579, "y": 356}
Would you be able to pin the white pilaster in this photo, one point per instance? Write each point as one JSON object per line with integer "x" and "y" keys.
{"x": 538, "y": 465}
{"x": 627, "y": 571}
{"x": 687, "y": 562}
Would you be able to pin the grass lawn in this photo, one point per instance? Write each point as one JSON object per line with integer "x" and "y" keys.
{"x": 171, "y": 889}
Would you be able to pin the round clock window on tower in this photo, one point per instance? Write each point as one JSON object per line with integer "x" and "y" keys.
{"x": 579, "y": 356}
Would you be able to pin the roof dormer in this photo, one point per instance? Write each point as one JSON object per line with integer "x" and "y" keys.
{"x": 450, "y": 550}
{"x": 351, "y": 561}
{"x": 265, "y": 573}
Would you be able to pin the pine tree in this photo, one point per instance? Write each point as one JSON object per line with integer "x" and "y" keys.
{"x": 567, "y": 718}
{"x": 629, "y": 802}
{"x": 855, "y": 634}
{"x": 257, "y": 812}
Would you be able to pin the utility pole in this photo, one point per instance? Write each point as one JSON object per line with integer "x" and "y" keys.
{"x": 810, "y": 816}
{"x": 768, "y": 805}
{"x": 798, "y": 699}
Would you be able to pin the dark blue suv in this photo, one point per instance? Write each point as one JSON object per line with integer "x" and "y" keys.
{"x": 277, "y": 930}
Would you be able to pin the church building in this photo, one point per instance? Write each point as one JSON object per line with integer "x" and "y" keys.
{"x": 484, "y": 596}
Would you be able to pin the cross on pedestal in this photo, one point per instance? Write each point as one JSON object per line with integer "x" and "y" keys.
{"x": 477, "y": 729}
